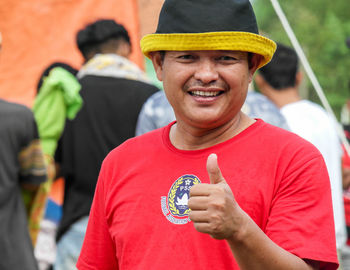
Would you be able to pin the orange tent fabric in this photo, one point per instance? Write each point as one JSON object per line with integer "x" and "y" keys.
{"x": 39, "y": 32}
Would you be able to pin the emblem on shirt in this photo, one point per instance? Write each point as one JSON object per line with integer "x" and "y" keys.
{"x": 174, "y": 206}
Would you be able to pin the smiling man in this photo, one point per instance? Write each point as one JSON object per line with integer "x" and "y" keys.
{"x": 258, "y": 197}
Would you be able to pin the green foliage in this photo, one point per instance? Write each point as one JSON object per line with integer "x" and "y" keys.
{"x": 321, "y": 28}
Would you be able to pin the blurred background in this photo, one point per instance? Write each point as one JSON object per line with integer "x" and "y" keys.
{"x": 38, "y": 32}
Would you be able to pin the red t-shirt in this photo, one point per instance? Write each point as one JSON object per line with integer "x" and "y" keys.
{"x": 139, "y": 217}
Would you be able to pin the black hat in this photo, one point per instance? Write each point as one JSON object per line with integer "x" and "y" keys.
{"x": 100, "y": 31}
{"x": 208, "y": 25}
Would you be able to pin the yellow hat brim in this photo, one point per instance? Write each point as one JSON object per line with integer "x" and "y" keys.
{"x": 233, "y": 41}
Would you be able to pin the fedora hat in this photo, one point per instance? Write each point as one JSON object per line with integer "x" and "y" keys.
{"x": 186, "y": 25}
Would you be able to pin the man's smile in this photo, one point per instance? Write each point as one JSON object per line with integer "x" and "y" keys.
{"x": 200, "y": 93}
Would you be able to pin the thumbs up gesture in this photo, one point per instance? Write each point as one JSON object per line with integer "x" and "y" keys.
{"x": 214, "y": 209}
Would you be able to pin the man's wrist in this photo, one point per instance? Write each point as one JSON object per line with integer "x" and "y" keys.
{"x": 238, "y": 237}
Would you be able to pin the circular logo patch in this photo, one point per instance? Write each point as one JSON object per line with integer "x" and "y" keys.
{"x": 175, "y": 205}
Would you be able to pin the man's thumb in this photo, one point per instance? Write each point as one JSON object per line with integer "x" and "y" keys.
{"x": 213, "y": 169}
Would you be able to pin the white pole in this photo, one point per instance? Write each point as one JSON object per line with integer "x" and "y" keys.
{"x": 309, "y": 71}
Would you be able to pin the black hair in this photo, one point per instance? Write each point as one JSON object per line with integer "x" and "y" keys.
{"x": 94, "y": 35}
{"x": 47, "y": 70}
{"x": 281, "y": 71}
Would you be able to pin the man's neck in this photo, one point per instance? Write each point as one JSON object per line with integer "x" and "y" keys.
{"x": 186, "y": 137}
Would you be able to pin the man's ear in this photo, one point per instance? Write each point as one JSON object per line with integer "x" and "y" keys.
{"x": 124, "y": 49}
{"x": 298, "y": 78}
{"x": 253, "y": 62}
{"x": 157, "y": 61}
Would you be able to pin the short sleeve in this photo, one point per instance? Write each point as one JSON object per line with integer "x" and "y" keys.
{"x": 98, "y": 251}
{"x": 301, "y": 216}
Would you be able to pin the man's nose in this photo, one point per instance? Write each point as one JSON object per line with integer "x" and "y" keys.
{"x": 206, "y": 71}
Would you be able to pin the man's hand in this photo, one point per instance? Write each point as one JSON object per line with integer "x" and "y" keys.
{"x": 215, "y": 211}
{"x": 213, "y": 206}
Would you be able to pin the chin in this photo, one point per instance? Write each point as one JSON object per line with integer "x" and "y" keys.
{"x": 207, "y": 122}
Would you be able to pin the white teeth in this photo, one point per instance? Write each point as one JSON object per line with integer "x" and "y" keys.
{"x": 206, "y": 93}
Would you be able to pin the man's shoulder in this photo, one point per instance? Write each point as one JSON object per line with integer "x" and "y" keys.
{"x": 283, "y": 137}
{"x": 13, "y": 107}
{"x": 15, "y": 112}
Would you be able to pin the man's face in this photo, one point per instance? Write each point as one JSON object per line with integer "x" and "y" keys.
{"x": 205, "y": 88}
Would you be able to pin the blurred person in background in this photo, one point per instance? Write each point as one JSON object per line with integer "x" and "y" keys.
{"x": 22, "y": 170}
{"x": 280, "y": 80}
{"x": 113, "y": 92}
{"x": 57, "y": 99}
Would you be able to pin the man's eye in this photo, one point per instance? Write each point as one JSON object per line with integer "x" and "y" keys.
{"x": 227, "y": 58}
{"x": 186, "y": 56}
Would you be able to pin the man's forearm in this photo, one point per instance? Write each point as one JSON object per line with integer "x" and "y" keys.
{"x": 253, "y": 249}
